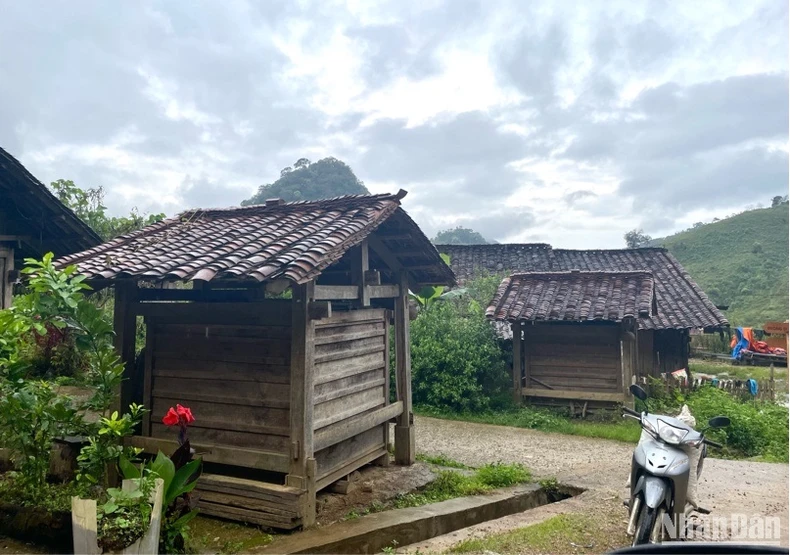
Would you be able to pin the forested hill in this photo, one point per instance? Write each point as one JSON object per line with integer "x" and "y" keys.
{"x": 741, "y": 261}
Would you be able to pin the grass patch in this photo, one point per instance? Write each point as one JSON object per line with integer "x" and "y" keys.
{"x": 450, "y": 484}
{"x": 440, "y": 460}
{"x": 735, "y": 372}
{"x": 210, "y": 535}
{"x": 614, "y": 427}
{"x": 569, "y": 533}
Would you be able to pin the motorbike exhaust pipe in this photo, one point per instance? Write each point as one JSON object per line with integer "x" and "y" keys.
{"x": 634, "y": 513}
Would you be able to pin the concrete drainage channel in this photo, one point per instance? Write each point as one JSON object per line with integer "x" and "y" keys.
{"x": 402, "y": 527}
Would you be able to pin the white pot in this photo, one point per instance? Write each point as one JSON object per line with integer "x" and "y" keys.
{"x": 84, "y": 523}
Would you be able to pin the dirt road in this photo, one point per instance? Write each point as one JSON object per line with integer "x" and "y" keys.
{"x": 601, "y": 466}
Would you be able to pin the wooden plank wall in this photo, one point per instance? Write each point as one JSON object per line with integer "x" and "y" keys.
{"x": 235, "y": 378}
{"x": 646, "y": 364}
{"x": 350, "y": 384}
{"x": 573, "y": 357}
{"x": 671, "y": 347}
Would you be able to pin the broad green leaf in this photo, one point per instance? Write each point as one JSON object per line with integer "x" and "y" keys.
{"x": 128, "y": 470}
{"x": 163, "y": 467}
{"x": 184, "y": 481}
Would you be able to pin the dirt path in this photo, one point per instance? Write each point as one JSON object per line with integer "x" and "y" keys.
{"x": 601, "y": 466}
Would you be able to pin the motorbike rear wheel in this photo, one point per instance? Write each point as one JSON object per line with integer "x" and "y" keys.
{"x": 644, "y": 525}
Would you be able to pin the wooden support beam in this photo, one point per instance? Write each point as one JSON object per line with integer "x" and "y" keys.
{"x": 384, "y": 291}
{"x": 6, "y": 273}
{"x": 124, "y": 324}
{"x": 14, "y": 238}
{"x": 336, "y": 292}
{"x": 360, "y": 264}
{"x": 404, "y": 427}
{"x": 301, "y": 473}
{"x": 248, "y": 458}
{"x": 518, "y": 346}
{"x": 628, "y": 358}
{"x": 335, "y": 433}
{"x": 573, "y": 394}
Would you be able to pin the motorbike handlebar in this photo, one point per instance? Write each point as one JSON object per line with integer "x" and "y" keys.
{"x": 712, "y": 443}
{"x": 631, "y": 412}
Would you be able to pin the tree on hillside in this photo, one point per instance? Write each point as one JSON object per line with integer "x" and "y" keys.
{"x": 776, "y": 201}
{"x": 308, "y": 180}
{"x": 459, "y": 236}
{"x": 88, "y": 205}
{"x": 637, "y": 238}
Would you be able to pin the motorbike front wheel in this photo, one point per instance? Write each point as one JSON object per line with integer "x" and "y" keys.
{"x": 644, "y": 525}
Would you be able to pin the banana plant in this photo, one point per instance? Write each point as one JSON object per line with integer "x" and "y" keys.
{"x": 428, "y": 295}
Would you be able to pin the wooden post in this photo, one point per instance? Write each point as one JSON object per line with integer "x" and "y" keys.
{"x": 517, "y": 361}
{"x": 148, "y": 373}
{"x": 302, "y": 467}
{"x": 772, "y": 384}
{"x": 628, "y": 358}
{"x": 384, "y": 460}
{"x": 404, "y": 428}
{"x": 124, "y": 323}
{"x": 360, "y": 267}
{"x": 6, "y": 283}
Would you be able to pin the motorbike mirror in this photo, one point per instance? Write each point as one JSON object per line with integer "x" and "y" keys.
{"x": 719, "y": 422}
{"x": 638, "y": 392}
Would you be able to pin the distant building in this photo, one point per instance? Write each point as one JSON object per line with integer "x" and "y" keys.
{"x": 578, "y": 311}
{"x": 33, "y": 222}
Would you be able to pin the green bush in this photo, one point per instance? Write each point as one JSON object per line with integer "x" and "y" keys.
{"x": 457, "y": 363}
{"x": 758, "y": 428}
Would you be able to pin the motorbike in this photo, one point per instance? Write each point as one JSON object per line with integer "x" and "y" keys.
{"x": 660, "y": 470}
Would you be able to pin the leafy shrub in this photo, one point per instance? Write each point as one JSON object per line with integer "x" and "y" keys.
{"x": 758, "y": 428}
{"x": 456, "y": 360}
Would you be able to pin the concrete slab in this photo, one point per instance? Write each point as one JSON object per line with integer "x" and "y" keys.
{"x": 400, "y": 527}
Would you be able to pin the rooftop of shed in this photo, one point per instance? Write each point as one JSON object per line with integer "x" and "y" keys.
{"x": 573, "y": 297}
{"x": 295, "y": 241}
{"x": 681, "y": 302}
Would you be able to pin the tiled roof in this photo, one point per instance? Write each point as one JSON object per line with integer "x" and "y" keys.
{"x": 681, "y": 302}
{"x": 29, "y": 209}
{"x": 573, "y": 296}
{"x": 294, "y": 241}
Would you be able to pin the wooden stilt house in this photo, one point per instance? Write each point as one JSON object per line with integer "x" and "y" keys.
{"x": 277, "y": 338}
{"x": 574, "y": 333}
{"x": 662, "y": 338}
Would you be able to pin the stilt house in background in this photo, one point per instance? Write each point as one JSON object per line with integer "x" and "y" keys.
{"x": 278, "y": 342}
{"x": 662, "y": 336}
{"x": 33, "y": 222}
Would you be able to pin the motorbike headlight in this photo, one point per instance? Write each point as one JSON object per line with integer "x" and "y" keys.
{"x": 671, "y": 434}
{"x": 648, "y": 426}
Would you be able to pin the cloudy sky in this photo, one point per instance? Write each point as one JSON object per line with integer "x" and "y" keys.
{"x": 566, "y": 122}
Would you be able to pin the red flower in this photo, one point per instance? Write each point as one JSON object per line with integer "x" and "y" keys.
{"x": 185, "y": 413}
{"x": 171, "y": 418}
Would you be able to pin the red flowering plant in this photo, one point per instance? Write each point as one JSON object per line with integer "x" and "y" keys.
{"x": 181, "y": 417}
{"x": 180, "y": 474}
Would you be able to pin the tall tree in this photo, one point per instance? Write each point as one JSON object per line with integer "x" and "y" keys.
{"x": 307, "y": 180}
{"x": 637, "y": 238}
{"x": 88, "y": 204}
{"x": 459, "y": 236}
